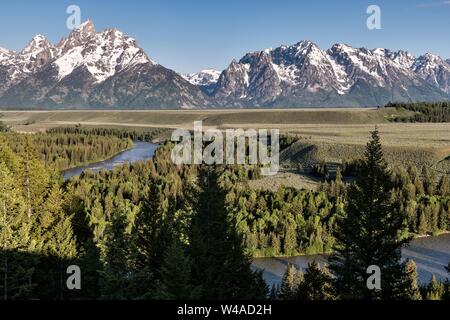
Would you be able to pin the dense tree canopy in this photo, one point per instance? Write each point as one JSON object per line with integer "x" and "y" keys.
{"x": 153, "y": 230}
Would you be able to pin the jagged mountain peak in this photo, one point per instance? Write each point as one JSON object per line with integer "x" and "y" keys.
{"x": 341, "y": 47}
{"x": 403, "y": 58}
{"x": 306, "y": 45}
{"x": 79, "y": 36}
{"x": 102, "y": 54}
{"x": 205, "y": 77}
{"x": 432, "y": 58}
{"x": 297, "y": 50}
{"x": 302, "y": 72}
{"x": 38, "y": 44}
{"x": 86, "y": 29}
{"x": 434, "y": 69}
{"x": 429, "y": 60}
{"x": 90, "y": 68}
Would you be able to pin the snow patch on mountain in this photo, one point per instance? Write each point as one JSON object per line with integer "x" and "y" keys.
{"x": 104, "y": 54}
{"x": 5, "y": 55}
{"x": 205, "y": 77}
{"x": 303, "y": 69}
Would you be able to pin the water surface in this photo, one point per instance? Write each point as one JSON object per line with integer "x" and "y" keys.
{"x": 140, "y": 151}
{"x": 431, "y": 255}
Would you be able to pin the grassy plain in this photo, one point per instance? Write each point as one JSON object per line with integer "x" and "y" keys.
{"x": 285, "y": 119}
{"x": 326, "y": 135}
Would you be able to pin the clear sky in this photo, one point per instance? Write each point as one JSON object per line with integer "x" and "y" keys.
{"x": 189, "y": 35}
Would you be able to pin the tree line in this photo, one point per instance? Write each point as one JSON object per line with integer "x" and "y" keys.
{"x": 147, "y": 135}
{"x": 67, "y": 150}
{"x": 423, "y": 111}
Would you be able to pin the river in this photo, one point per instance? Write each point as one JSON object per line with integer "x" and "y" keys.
{"x": 431, "y": 254}
{"x": 139, "y": 152}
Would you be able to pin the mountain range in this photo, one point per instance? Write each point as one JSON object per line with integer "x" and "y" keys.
{"x": 108, "y": 69}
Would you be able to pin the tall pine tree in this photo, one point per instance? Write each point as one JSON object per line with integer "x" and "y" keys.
{"x": 289, "y": 283}
{"x": 220, "y": 267}
{"x": 369, "y": 234}
{"x": 411, "y": 286}
{"x": 16, "y": 260}
{"x": 153, "y": 234}
{"x": 316, "y": 284}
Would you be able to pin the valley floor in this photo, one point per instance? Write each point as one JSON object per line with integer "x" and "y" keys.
{"x": 336, "y": 134}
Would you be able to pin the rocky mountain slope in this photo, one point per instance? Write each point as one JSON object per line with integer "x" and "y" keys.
{"x": 304, "y": 75}
{"x": 91, "y": 69}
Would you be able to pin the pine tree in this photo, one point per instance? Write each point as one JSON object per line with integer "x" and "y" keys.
{"x": 33, "y": 177}
{"x": 219, "y": 265}
{"x": 275, "y": 242}
{"x": 434, "y": 290}
{"x": 418, "y": 184}
{"x": 176, "y": 282}
{"x": 288, "y": 283}
{"x": 429, "y": 181}
{"x": 444, "y": 185}
{"x": 16, "y": 261}
{"x": 423, "y": 227}
{"x": 274, "y": 292}
{"x": 447, "y": 285}
{"x": 337, "y": 186}
{"x": 290, "y": 241}
{"x": 115, "y": 275}
{"x": 316, "y": 285}
{"x": 56, "y": 242}
{"x": 153, "y": 234}
{"x": 370, "y": 232}
{"x": 411, "y": 290}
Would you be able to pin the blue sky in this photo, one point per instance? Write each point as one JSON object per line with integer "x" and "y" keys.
{"x": 190, "y": 35}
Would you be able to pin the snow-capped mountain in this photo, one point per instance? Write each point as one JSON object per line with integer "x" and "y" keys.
{"x": 435, "y": 70}
{"x": 205, "y": 79}
{"x": 90, "y": 69}
{"x": 304, "y": 75}
{"x": 109, "y": 70}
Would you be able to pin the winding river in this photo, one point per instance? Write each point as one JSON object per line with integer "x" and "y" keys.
{"x": 139, "y": 152}
{"x": 431, "y": 254}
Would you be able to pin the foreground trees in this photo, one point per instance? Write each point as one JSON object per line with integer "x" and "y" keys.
{"x": 220, "y": 267}
{"x": 153, "y": 230}
{"x": 36, "y": 236}
{"x": 370, "y": 232}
